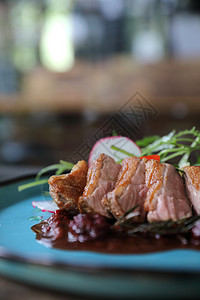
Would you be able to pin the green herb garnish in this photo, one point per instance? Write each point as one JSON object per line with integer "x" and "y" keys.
{"x": 31, "y": 184}
{"x": 121, "y": 150}
{"x": 127, "y": 216}
{"x": 35, "y": 218}
{"x": 61, "y": 168}
{"x": 180, "y": 226}
{"x": 147, "y": 140}
{"x": 181, "y": 144}
{"x": 170, "y": 227}
{"x": 173, "y": 145}
{"x": 114, "y": 133}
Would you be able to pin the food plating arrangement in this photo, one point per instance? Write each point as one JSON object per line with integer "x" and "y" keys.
{"x": 131, "y": 197}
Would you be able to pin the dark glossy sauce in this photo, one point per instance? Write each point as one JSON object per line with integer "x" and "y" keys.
{"x": 89, "y": 233}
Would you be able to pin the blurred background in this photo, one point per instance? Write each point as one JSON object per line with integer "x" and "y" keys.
{"x": 72, "y": 71}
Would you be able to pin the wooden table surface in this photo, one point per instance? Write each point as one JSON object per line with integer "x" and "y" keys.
{"x": 12, "y": 290}
{"x": 104, "y": 86}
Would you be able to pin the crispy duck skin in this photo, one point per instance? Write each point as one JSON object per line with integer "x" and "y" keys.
{"x": 130, "y": 189}
{"x": 65, "y": 189}
{"x": 166, "y": 198}
{"x": 192, "y": 182}
{"x": 101, "y": 179}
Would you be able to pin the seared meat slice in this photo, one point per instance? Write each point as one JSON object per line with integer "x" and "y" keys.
{"x": 192, "y": 181}
{"x": 166, "y": 198}
{"x": 130, "y": 189}
{"x": 101, "y": 179}
{"x": 67, "y": 188}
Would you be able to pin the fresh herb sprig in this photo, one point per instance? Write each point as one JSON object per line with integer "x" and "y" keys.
{"x": 62, "y": 167}
{"x": 181, "y": 144}
{"x": 127, "y": 216}
{"x": 169, "y": 227}
{"x": 173, "y": 145}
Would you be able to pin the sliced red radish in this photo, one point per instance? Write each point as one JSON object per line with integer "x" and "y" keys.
{"x": 104, "y": 146}
{"x": 49, "y": 206}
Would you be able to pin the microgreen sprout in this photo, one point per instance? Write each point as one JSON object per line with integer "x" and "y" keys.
{"x": 62, "y": 167}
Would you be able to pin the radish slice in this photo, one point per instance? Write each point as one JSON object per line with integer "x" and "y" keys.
{"x": 104, "y": 146}
{"x": 49, "y": 206}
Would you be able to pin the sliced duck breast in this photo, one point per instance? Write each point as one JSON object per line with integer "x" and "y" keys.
{"x": 130, "y": 189}
{"x": 101, "y": 179}
{"x": 65, "y": 189}
{"x": 166, "y": 198}
{"x": 192, "y": 182}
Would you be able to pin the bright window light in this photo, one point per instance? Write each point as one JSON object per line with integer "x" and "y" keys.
{"x": 56, "y": 49}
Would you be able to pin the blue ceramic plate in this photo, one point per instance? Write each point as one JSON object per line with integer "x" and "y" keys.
{"x": 169, "y": 273}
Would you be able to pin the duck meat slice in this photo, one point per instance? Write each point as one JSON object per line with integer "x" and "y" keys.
{"x": 65, "y": 189}
{"x": 130, "y": 190}
{"x": 192, "y": 182}
{"x": 166, "y": 198}
{"x": 101, "y": 179}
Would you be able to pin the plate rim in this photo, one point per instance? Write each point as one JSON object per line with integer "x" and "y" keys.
{"x": 50, "y": 264}
{"x": 16, "y": 179}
